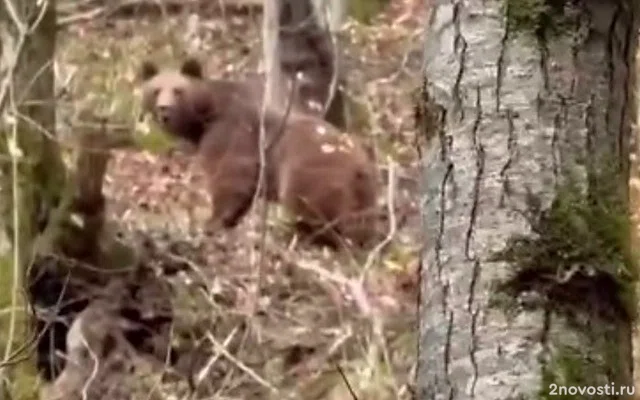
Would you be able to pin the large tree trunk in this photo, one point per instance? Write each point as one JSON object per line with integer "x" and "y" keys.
{"x": 527, "y": 278}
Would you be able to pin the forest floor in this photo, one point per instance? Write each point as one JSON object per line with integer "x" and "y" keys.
{"x": 318, "y": 314}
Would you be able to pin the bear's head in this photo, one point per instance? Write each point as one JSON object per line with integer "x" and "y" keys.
{"x": 180, "y": 101}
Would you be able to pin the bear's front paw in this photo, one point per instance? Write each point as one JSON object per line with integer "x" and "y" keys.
{"x": 213, "y": 226}
{"x": 220, "y": 223}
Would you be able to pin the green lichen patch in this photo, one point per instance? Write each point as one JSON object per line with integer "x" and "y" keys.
{"x": 563, "y": 370}
{"x": 429, "y": 116}
{"x": 150, "y": 138}
{"x": 570, "y": 373}
{"x": 535, "y": 17}
{"x": 366, "y": 10}
{"x": 578, "y": 256}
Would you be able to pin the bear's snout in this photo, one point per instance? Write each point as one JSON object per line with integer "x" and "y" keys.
{"x": 163, "y": 113}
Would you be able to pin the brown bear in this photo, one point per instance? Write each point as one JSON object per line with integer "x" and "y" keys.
{"x": 325, "y": 178}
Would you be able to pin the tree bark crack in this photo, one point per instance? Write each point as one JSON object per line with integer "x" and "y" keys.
{"x": 480, "y": 164}
{"x": 544, "y": 331}
{"x": 441, "y": 228}
{"x": 555, "y": 148}
{"x": 610, "y": 50}
{"x": 591, "y": 132}
{"x": 500, "y": 65}
{"x": 447, "y": 355}
{"x": 474, "y": 312}
{"x": 459, "y": 47}
{"x": 543, "y": 49}
{"x": 629, "y": 37}
{"x": 512, "y": 144}
{"x": 480, "y": 160}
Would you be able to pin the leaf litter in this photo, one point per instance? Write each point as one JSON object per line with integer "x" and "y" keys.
{"x": 316, "y": 310}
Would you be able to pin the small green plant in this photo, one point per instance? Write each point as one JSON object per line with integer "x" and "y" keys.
{"x": 535, "y": 17}
{"x": 365, "y": 10}
{"x": 148, "y": 137}
{"x": 579, "y": 251}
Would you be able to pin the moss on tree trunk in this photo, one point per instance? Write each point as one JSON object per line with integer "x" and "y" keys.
{"x": 40, "y": 171}
{"x": 60, "y": 212}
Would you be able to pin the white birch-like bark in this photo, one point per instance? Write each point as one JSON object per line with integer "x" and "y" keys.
{"x": 334, "y": 12}
{"x": 519, "y": 113}
{"x": 273, "y": 72}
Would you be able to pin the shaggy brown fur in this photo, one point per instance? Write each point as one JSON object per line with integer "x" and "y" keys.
{"x": 322, "y": 176}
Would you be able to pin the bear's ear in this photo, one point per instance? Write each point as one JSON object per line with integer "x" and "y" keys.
{"x": 148, "y": 70}
{"x": 192, "y": 67}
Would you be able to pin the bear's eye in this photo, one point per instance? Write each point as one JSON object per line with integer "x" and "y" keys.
{"x": 178, "y": 92}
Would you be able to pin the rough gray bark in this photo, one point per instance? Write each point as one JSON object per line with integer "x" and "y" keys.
{"x": 510, "y": 117}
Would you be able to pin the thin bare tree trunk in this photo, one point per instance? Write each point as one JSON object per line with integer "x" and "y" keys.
{"x": 53, "y": 216}
{"x": 527, "y": 278}
{"x": 30, "y": 98}
{"x": 273, "y": 71}
{"x": 33, "y": 172}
